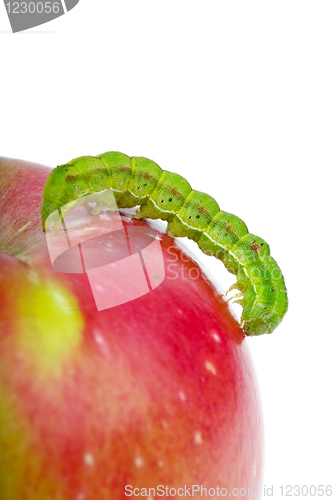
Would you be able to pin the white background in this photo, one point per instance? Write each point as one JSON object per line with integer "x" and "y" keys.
{"x": 238, "y": 98}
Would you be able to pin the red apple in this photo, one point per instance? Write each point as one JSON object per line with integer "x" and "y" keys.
{"x": 158, "y": 392}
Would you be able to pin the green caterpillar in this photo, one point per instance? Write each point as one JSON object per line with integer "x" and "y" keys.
{"x": 168, "y": 196}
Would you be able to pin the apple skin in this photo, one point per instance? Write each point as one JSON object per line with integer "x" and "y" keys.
{"x": 157, "y": 391}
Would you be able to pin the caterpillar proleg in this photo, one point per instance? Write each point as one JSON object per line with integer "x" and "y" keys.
{"x": 138, "y": 181}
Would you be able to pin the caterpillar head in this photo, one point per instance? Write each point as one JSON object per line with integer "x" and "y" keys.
{"x": 255, "y": 326}
{"x": 260, "y": 325}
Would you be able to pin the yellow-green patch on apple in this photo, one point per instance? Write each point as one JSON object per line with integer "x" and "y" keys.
{"x": 49, "y": 324}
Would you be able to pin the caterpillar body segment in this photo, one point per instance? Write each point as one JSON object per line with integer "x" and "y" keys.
{"x": 167, "y": 198}
{"x": 160, "y": 194}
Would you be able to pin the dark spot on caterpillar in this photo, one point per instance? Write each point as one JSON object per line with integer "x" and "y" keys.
{"x": 170, "y": 199}
{"x": 124, "y": 168}
{"x": 147, "y": 175}
{"x": 261, "y": 244}
{"x": 176, "y": 192}
{"x": 70, "y": 176}
{"x": 203, "y": 210}
{"x": 255, "y": 247}
{"x": 229, "y": 228}
{"x": 145, "y": 184}
{"x": 197, "y": 216}
{"x": 162, "y": 201}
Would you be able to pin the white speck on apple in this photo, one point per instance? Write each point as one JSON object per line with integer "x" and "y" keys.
{"x": 216, "y": 337}
{"x": 89, "y": 459}
{"x": 198, "y": 438}
{"x": 24, "y": 227}
{"x": 98, "y": 338}
{"x": 182, "y": 396}
{"x": 209, "y": 366}
{"x": 139, "y": 462}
